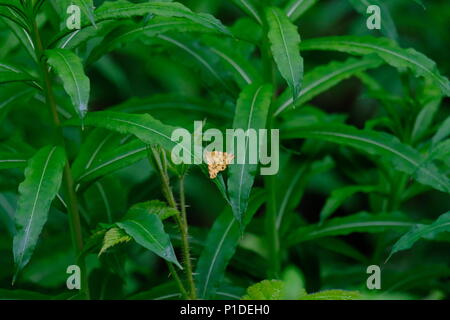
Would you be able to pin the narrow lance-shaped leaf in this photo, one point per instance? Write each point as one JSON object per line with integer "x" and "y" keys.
{"x": 443, "y": 131}
{"x": 69, "y": 68}
{"x": 442, "y": 224}
{"x": 10, "y": 73}
{"x": 148, "y": 231}
{"x": 324, "y": 77}
{"x": 250, "y": 8}
{"x": 338, "y": 197}
{"x": 360, "y": 222}
{"x": 388, "y": 50}
{"x": 112, "y": 160}
{"x": 221, "y": 245}
{"x": 145, "y": 128}
{"x": 43, "y": 177}
{"x": 251, "y": 114}
{"x": 402, "y": 157}
{"x": 129, "y": 32}
{"x": 123, "y": 9}
{"x": 296, "y": 8}
{"x": 285, "y": 41}
{"x": 12, "y": 160}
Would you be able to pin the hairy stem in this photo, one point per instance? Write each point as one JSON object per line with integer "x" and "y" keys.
{"x": 175, "y": 275}
{"x": 161, "y": 165}
{"x": 68, "y": 184}
{"x": 185, "y": 240}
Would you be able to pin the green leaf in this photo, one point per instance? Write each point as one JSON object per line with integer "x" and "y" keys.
{"x": 296, "y": 8}
{"x": 322, "y": 78}
{"x": 143, "y": 126}
{"x": 443, "y": 131}
{"x": 249, "y": 7}
{"x": 251, "y": 113}
{"x": 332, "y": 295}
{"x": 98, "y": 142}
{"x": 157, "y": 104}
{"x": 402, "y": 157}
{"x": 338, "y": 196}
{"x": 112, "y": 238}
{"x": 201, "y": 57}
{"x": 43, "y": 177}
{"x": 242, "y": 69}
{"x": 112, "y": 160}
{"x": 161, "y": 209}
{"x": 386, "y": 49}
{"x": 360, "y": 222}
{"x": 265, "y": 290}
{"x": 12, "y": 160}
{"x": 221, "y": 245}
{"x": 123, "y": 9}
{"x": 10, "y": 73}
{"x": 69, "y": 68}
{"x": 148, "y": 231}
{"x": 442, "y": 224}
{"x": 285, "y": 41}
{"x": 129, "y": 32}
{"x": 146, "y": 128}
{"x": 425, "y": 119}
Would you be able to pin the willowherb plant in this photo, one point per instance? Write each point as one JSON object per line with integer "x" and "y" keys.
{"x": 92, "y": 92}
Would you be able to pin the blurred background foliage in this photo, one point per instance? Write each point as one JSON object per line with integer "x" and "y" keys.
{"x": 138, "y": 74}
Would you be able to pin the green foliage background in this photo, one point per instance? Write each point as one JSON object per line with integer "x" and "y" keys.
{"x": 364, "y": 158}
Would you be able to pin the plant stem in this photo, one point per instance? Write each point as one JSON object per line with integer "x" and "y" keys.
{"x": 185, "y": 239}
{"x": 72, "y": 202}
{"x": 174, "y": 273}
{"x": 161, "y": 165}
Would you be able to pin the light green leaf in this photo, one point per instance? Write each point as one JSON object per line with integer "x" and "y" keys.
{"x": 402, "y": 157}
{"x": 221, "y": 245}
{"x": 285, "y": 41}
{"x": 332, "y": 295}
{"x": 322, "y": 78}
{"x": 148, "y": 231}
{"x": 251, "y": 113}
{"x": 161, "y": 209}
{"x": 43, "y": 177}
{"x": 442, "y": 224}
{"x": 386, "y": 49}
{"x": 265, "y": 290}
{"x": 113, "y": 237}
{"x": 360, "y": 222}
{"x": 69, "y": 68}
